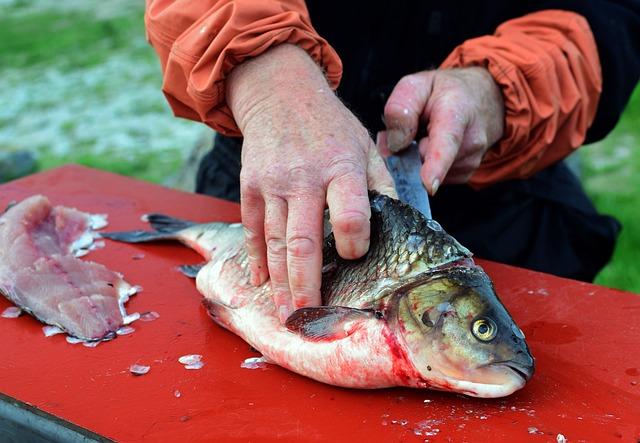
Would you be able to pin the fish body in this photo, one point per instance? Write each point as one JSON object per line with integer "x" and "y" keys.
{"x": 414, "y": 311}
{"x": 41, "y": 273}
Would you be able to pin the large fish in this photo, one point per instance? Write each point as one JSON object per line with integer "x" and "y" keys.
{"x": 41, "y": 274}
{"x": 414, "y": 311}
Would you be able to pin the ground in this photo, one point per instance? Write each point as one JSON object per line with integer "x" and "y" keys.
{"x": 79, "y": 83}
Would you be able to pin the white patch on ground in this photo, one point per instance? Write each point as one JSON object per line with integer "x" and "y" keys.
{"x": 113, "y": 108}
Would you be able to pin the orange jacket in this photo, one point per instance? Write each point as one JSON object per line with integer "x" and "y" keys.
{"x": 546, "y": 64}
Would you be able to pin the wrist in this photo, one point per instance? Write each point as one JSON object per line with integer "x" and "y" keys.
{"x": 279, "y": 78}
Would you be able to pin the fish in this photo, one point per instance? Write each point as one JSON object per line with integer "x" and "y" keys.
{"x": 415, "y": 311}
{"x": 42, "y": 274}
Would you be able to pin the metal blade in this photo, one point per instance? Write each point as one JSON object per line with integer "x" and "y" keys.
{"x": 405, "y": 170}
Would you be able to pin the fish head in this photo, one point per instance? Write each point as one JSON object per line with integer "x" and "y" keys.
{"x": 460, "y": 337}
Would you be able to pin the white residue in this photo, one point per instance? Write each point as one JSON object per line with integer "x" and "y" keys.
{"x": 254, "y": 363}
{"x": 51, "y": 330}
{"x": 125, "y": 330}
{"x": 149, "y": 316}
{"x": 192, "y": 361}
{"x": 139, "y": 369}
{"x": 177, "y": 393}
{"x": 11, "y": 312}
{"x": 561, "y": 438}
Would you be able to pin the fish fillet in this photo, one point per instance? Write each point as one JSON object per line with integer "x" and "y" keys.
{"x": 41, "y": 274}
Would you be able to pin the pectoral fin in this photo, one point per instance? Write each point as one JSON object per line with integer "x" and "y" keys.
{"x": 327, "y": 322}
{"x": 191, "y": 271}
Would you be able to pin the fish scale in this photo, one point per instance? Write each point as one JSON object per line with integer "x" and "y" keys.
{"x": 393, "y": 236}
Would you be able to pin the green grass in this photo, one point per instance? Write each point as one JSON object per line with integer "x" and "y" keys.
{"x": 68, "y": 40}
{"x": 153, "y": 168}
{"x": 612, "y": 179}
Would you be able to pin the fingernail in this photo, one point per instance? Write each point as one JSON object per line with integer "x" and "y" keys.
{"x": 434, "y": 186}
{"x": 396, "y": 139}
{"x": 284, "y": 312}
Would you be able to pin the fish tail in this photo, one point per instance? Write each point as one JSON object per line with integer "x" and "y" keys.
{"x": 139, "y": 236}
{"x": 166, "y": 224}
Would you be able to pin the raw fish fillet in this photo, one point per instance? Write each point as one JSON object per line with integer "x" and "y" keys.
{"x": 41, "y": 274}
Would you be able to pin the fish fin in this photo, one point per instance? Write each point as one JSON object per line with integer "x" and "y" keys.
{"x": 11, "y": 204}
{"x": 191, "y": 271}
{"x": 167, "y": 224}
{"x": 327, "y": 322}
{"x": 138, "y": 236}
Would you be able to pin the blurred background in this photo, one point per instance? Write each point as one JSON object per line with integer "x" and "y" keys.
{"x": 79, "y": 83}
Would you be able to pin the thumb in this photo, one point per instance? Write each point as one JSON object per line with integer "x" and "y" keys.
{"x": 378, "y": 177}
{"x": 404, "y": 108}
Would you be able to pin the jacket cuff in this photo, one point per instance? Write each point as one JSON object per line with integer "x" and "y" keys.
{"x": 548, "y": 69}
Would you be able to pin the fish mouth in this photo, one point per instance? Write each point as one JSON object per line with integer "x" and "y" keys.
{"x": 522, "y": 370}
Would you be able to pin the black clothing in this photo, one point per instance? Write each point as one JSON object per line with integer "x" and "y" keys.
{"x": 546, "y": 222}
{"x": 381, "y": 41}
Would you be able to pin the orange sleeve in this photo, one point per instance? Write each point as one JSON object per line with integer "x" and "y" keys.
{"x": 547, "y": 66}
{"x": 199, "y": 43}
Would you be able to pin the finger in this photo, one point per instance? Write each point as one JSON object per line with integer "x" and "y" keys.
{"x": 404, "y": 108}
{"x": 304, "y": 249}
{"x": 378, "y": 176}
{"x": 275, "y": 230}
{"x": 447, "y": 124}
{"x": 349, "y": 209}
{"x": 252, "y": 212}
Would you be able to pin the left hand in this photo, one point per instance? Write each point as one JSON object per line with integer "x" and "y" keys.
{"x": 463, "y": 111}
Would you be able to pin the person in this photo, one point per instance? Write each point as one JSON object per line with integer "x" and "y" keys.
{"x": 496, "y": 93}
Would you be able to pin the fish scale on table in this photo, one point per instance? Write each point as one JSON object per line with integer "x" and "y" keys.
{"x": 414, "y": 311}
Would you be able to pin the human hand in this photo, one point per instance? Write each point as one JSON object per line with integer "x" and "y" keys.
{"x": 302, "y": 148}
{"x": 463, "y": 110}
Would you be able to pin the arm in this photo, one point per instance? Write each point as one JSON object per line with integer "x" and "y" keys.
{"x": 257, "y": 67}
{"x": 199, "y": 43}
{"x": 547, "y": 68}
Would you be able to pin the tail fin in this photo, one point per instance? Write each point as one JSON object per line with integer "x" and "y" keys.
{"x": 166, "y": 228}
{"x": 139, "y": 236}
{"x": 167, "y": 224}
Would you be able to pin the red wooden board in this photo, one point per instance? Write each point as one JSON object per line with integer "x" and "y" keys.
{"x": 586, "y": 340}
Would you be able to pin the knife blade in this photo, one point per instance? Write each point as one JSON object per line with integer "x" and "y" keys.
{"x": 404, "y": 168}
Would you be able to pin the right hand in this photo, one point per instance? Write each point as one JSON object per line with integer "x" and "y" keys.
{"x": 302, "y": 148}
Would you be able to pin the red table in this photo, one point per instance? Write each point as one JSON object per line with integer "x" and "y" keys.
{"x": 586, "y": 340}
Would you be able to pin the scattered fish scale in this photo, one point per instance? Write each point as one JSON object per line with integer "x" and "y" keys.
{"x": 138, "y": 370}
{"x": 11, "y": 312}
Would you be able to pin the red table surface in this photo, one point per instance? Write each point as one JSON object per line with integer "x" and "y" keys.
{"x": 586, "y": 340}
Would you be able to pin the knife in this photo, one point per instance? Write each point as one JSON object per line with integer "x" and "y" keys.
{"x": 404, "y": 168}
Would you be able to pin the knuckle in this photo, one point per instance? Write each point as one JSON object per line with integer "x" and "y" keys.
{"x": 251, "y": 236}
{"x": 276, "y": 248}
{"x": 344, "y": 166}
{"x": 351, "y": 223}
{"x": 301, "y": 247}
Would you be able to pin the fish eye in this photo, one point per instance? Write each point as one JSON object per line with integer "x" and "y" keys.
{"x": 426, "y": 320}
{"x": 484, "y": 329}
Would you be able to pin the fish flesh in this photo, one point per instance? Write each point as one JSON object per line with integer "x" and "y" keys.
{"x": 414, "y": 311}
{"x": 40, "y": 271}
